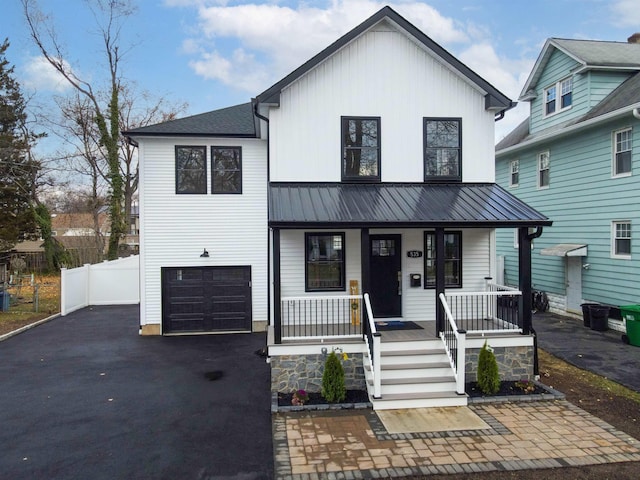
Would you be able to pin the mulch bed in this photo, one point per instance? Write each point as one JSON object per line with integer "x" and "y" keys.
{"x": 507, "y": 388}
{"x": 315, "y": 398}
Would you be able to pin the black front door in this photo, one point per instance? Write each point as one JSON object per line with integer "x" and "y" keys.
{"x": 385, "y": 284}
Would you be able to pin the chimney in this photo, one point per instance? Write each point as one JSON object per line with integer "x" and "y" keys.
{"x": 635, "y": 38}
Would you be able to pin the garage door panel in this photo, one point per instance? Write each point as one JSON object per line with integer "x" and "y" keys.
{"x": 202, "y": 299}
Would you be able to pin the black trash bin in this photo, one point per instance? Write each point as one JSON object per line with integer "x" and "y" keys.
{"x": 586, "y": 314}
{"x": 599, "y": 317}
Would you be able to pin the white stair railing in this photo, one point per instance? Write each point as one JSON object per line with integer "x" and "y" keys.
{"x": 454, "y": 340}
{"x": 373, "y": 339}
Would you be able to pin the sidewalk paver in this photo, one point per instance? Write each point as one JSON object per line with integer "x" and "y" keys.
{"x": 355, "y": 444}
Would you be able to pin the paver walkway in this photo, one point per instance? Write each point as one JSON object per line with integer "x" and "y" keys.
{"x": 355, "y": 444}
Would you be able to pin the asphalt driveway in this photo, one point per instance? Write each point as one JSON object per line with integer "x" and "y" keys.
{"x": 84, "y": 396}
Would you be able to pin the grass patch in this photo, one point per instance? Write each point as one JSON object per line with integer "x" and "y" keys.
{"x": 22, "y": 308}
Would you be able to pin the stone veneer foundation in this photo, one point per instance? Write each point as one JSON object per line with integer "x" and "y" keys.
{"x": 295, "y": 372}
{"x": 514, "y": 363}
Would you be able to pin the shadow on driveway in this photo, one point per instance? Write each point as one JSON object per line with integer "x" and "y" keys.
{"x": 84, "y": 396}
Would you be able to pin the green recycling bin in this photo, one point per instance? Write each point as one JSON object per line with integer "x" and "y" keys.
{"x": 631, "y": 315}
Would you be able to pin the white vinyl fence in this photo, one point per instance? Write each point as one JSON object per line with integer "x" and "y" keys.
{"x": 108, "y": 283}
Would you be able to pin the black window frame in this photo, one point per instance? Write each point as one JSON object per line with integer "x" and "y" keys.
{"x": 344, "y": 148}
{"x": 426, "y": 147}
{"x": 202, "y": 190}
{"x": 340, "y": 288}
{"x": 430, "y": 285}
{"x": 238, "y": 191}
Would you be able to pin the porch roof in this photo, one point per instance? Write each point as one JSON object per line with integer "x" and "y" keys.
{"x": 320, "y": 205}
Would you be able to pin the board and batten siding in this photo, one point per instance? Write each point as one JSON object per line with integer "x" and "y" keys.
{"x": 380, "y": 74}
{"x": 418, "y": 304}
{"x": 582, "y": 201}
{"x": 176, "y": 228}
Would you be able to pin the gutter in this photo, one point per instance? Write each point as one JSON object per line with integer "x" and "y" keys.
{"x": 633, "y": 109}
{"x": 266, "y": 120}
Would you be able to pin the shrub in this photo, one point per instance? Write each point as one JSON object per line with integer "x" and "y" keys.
{"x": 488, "y": 377}
{"x": 333, "y": 389}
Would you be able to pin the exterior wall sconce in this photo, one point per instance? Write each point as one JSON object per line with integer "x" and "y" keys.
{"x": 204, "y": 254}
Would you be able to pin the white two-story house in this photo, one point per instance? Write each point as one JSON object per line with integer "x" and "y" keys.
{"x": 351, "y": 206}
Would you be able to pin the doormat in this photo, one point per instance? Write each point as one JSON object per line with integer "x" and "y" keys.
{"x": 383, "y": 326}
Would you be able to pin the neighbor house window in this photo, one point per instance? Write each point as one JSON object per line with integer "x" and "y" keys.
{"x": 361, "y": 149}
{"x": 514, "y": 178}
{"x": 191, "y": 169}
{"x": 621, "y": 242}
{"x": 442, "y": 149}
{"x": 226, "y": 170}
{"x": 622, "y": 152}
{"x": 543, "y": 170}
{"x": 565, "y": 87}
{"x": 324, "y": 270}
{"x": 452, "y": 259}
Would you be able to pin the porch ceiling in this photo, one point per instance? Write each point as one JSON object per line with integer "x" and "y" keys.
{"x": 296, "y": 205}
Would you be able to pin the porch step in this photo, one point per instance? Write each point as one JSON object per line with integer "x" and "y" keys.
{"x": 414, "y": 373}
{"x": 416, "y": 385}
{"x": 419, "y": 400}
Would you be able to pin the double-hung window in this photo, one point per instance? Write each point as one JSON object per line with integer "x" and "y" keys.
{"x": 442, "y": 149}
{"x": 621, "y": 239}
{"x": 543, "y": 170}
{"x": 514, "y": 170}
{"x": 226, "y": 170}
{"x": 622, "y": 140}
{"x": 324, "y": 267}
{"x": 191, "y": 169}
{"x": 452, "y": 259}
{"x": 551, "y": 102}
{"x": 360, "y": 149}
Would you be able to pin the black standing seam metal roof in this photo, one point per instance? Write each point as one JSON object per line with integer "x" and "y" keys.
{"x": 236, "y": 121}
{"x": 295, "y": 205}
{"x": 493, "y": 99}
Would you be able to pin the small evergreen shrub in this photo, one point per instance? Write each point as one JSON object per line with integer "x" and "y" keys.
{"x": 333, "y": 388}
{"x": 488, "y": 376}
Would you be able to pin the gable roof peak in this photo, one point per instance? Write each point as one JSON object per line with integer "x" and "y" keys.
{"x": 589, "y": 54}
{"x": 494, "y": 99}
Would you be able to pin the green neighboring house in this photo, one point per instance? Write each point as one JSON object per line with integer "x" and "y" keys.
{"x": 576, "y": 159}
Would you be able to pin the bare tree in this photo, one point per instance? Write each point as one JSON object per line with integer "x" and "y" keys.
{"x": 139, "y": 110}
{"x": 110, "y": 15}
{"x": 91, "y": 121}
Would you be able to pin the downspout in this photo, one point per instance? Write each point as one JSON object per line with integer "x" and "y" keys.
{"x": 536, "y": 366}
{"x": 499, "y": 116}
{"x": 636, "y": 113}
{"x": 266, "y": 120}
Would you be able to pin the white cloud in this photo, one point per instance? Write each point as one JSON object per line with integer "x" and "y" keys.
{"x": 626, "y": 14}
{"x": 41, "y": 76}
{"x": 252, "y": 45}
{"x": 270, "y": 40}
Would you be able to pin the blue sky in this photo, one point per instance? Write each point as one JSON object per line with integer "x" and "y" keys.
{"x": 216, "y": 53}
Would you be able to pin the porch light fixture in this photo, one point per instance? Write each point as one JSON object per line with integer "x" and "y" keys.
{"x": 204, "y": 254}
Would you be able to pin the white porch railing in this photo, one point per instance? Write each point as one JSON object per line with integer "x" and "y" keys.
{"x": 373, "y": 340}
{"x": 337, "y": 316}
{"x": 492, "y": 311}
